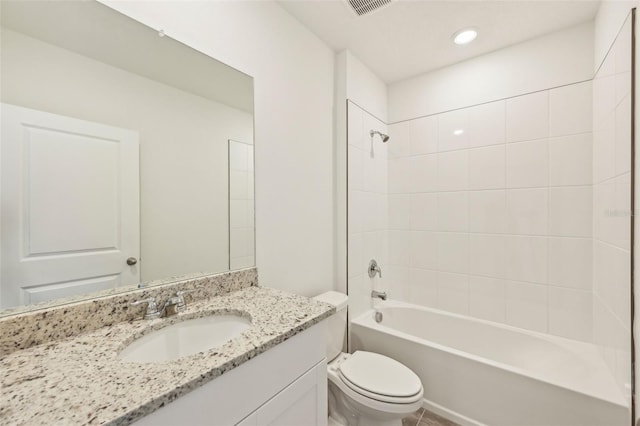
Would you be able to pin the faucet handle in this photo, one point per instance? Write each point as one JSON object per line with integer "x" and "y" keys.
{"x": 374, "y": 269}
{"x": 152, "y": 307}
{"x": 182, "y": 304}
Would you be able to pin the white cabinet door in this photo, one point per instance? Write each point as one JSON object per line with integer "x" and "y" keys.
{"x": 302, "y": 403}
{"x": 70, "y": 206}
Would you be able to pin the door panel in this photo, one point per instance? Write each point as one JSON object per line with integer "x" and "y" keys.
{"x": 70, "y": 206}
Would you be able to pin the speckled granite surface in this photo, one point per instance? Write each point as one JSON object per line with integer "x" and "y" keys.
{"x": 46, "y": 325}
{"x": 80, "y": 380}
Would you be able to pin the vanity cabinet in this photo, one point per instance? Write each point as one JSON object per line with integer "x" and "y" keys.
{"x": 286, "y": 385}
{"x": 303, "y": 402}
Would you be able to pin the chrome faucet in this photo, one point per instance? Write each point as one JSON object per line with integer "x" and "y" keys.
{"x": 174, "y": 305}
{"x": 379, "y": 294}
{"x": 152, "y": 308}
{"x": 374, "y": 269}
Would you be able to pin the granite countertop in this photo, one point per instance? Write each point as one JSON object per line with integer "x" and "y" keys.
{"x": 81, "y": 381}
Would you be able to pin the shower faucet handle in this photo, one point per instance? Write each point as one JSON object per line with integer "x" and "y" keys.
{"x": 374, "y": 269}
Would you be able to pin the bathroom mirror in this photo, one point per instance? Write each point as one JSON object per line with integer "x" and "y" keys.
{"x": 126, "y": 157}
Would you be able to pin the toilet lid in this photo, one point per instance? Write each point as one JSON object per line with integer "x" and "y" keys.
{"x": 380, "y": 375}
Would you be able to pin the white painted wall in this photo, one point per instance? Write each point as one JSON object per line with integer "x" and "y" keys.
{"x": 364, "y": 87}
{"x": 549, "y": 61}
{"x": 181, "y": 136}
{"x": 293, "y": 73}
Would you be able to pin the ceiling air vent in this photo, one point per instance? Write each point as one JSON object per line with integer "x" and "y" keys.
{"x": 362, "y": 7}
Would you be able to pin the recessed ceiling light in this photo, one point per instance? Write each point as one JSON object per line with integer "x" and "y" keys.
{"x": 458, "y": 132}
{"x": 464, "y": 36}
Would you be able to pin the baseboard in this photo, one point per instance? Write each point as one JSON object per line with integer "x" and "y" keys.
{"x": 449, "y": 414}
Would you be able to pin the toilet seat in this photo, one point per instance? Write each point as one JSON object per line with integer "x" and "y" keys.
{"x": 376, "y": 379}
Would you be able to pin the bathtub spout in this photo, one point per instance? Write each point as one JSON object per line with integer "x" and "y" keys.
{"x": 379, "y": 294}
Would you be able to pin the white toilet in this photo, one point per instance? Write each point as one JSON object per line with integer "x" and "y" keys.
{"x": 365, "y": 388}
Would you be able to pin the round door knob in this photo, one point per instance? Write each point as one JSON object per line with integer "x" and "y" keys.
{"x": 132, "y": 261}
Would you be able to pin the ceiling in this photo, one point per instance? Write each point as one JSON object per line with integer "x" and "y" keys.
{"x": 410, "y": 37}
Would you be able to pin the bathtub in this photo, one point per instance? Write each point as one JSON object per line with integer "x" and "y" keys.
{"x": 477, "y": 372}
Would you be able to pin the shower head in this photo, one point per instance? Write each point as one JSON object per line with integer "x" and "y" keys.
{"x": 384, "y": 137}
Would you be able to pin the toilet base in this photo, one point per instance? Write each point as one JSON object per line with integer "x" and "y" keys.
{"x": 344, "y": 411}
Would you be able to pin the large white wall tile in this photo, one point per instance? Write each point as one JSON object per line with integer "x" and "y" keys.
{"x": 487, "y": 167}
{"x": 424, "y": 212}
{"x": 570, "y": 161}
{"x": 453, "y": 211}
{"x": 453, "y": 171}
{"x": 570, "y": 313}
{"x": 453, "y": 130}
{"x": 423, "y": 288}
{"x": 399, "y": 142}
{"x": 374, "y": 246}
{"x": 570, "y": 109}
{"x": 369, "y": 215}
{"x": 486, "y": 124}
{"x": 355, "y": 176}
{"x": 623, "y": 136}
{"x": 571, "y": 211}
{"x": 355, "y": 135}
{"x": 423, "y": 173}
{"x": 488, "y": 211}
{"x": 453, "y": 292}
{"x": 399, "y": 211}
{"x": 359, "y": 295}
{"x": 527, "y": 164}
{"x": 453, "y": 252}
{"x": 487, "y": 298}
{"x": 487, "y": 255}
{"x": 608, "y": 331}
{"x": 527, "y": 259}
{"x": 356, "y": 263}
{"x": 399, "y": 248}
{"x": 395, "y": 281}
{"x": 424, "y": 250}
{"x": 526, "y": 306}
{"x": 400, "y": 175}
{"x": 527, "y": 211}
{"x": 604, "y": 99}
{"x": 423, "y": 135}
{"x": 570, "y": 262}
{"x": 612, "y": 278}
{"x": 604, "y": 150}
{"x": 356, "y": 209}
{"x": 527, "y": 117}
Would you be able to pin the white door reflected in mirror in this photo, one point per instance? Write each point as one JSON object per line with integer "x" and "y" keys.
{"x": 70, "y": 206}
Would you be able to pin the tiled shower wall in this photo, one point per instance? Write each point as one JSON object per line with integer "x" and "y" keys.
{"x": 367, "y": 206}
{"x": 490, "y": 211}
{"x": 241, "y": 206}
{"x": 611, "y": 207}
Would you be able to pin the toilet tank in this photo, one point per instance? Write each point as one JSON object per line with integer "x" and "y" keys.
{"x": 337, "y": 328}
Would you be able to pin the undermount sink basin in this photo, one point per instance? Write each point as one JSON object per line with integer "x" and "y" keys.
{"x": 185, "y": 338}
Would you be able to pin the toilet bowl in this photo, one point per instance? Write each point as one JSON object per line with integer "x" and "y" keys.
{"x": 365, "y": 388}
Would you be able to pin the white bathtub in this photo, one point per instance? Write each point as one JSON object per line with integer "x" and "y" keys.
{"x": 479, "y": 372}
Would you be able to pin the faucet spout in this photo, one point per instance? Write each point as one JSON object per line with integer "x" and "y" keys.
{"x": 379, "y": 294}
